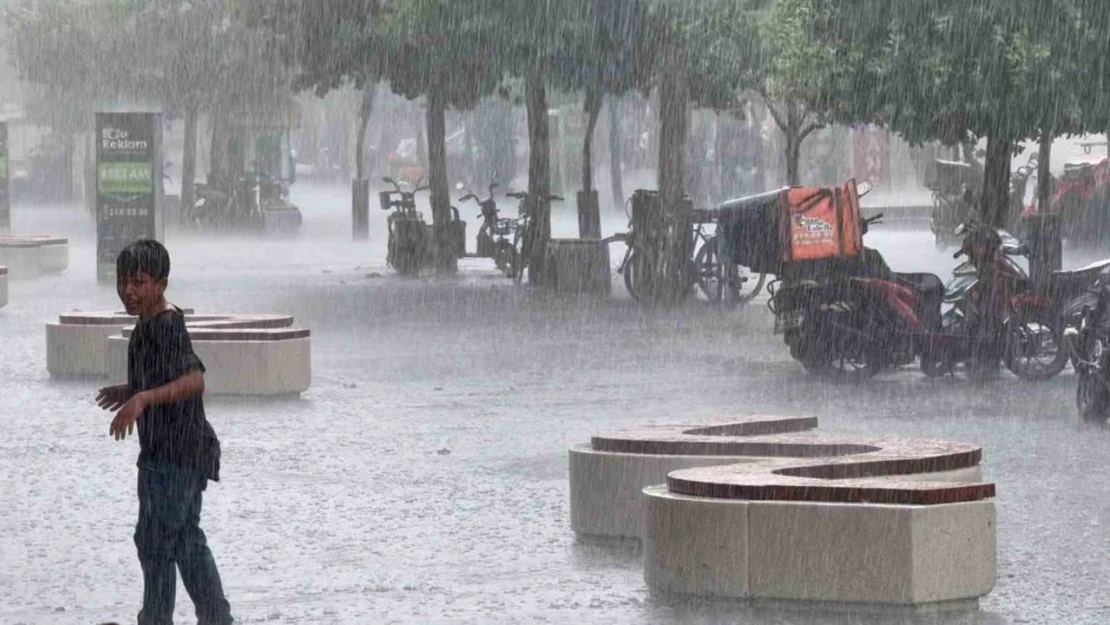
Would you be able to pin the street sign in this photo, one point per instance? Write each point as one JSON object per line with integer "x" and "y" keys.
{"x": 128, "y": 166}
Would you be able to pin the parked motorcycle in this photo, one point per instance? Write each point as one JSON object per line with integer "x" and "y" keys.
{"x": 856, "y": 317}
{"x": 1091, "y": 343}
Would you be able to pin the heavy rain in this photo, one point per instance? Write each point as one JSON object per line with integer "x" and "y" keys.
{"x": 494, "y": 229}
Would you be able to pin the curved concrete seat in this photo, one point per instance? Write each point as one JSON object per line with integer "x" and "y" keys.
{"x": 77, "y": 344}
{"x": 608, "y": 475}
{"x": 3, "y": 286}
{"x": 31, "y": 256}
{"x": 906, "y": 523}
{"x": 263, "y": 361}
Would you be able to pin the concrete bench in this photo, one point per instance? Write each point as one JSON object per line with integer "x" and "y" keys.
{"x": 239, "y": 360}
{"x": 784, "y": 517}
{"x": 608, "y": 475}
{"x": 77, "y": 344}
{"x": 34, "y": 255}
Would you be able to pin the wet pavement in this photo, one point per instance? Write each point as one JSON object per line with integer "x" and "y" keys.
{"x": 423, "y": 477}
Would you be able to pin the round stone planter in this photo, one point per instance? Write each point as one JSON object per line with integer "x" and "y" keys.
{"x": 33, "y": 256}
{"x": 77, "y": 344}
{"x": 903, "y": 523}
{"x": 608, "y": 475}
{"x": 248, "y": 361}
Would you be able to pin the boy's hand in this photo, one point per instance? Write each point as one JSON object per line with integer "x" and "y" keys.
{"x": 125, "y": 419}
{"x": 113, "y": 397}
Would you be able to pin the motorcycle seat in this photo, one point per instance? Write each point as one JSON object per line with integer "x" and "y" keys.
{"x": 921, "y": 282}
{"x": 930, "y": 289}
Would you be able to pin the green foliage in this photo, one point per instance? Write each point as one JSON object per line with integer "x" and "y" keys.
{"x": 944, "y": 69}
{"x": 795, "y": 65}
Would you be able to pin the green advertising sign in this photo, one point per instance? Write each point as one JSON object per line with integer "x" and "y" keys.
{"x": 128, "y": 161}
{"x": 130, "y": 178}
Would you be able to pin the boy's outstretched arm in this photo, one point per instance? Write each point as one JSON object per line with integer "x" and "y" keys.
{"x": 189, "y": 385}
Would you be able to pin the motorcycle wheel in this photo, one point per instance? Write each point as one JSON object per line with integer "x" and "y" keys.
{"x": 933, "y": 367}
{"x": 1092, "y": 398}
{"x": 505, "y": 258}
{"x": 848, "y": 363}
{"x": 1025, "y": 352}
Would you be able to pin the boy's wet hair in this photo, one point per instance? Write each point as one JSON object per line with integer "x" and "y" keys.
{"x": 144, "y": 256}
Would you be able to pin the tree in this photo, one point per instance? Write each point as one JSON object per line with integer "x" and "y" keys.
{"x": 797, "y": 73}
{"x": 441, "y": 50}
{"x": 434, "y": 49}
{"x": 605, "y": 58}
{"x": 945, "y": 69}
{"x": 533, "y": 49}
{"x": 699, "y": 54}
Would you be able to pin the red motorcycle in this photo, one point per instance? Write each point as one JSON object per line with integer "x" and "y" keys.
{"x": 853, "y": 317}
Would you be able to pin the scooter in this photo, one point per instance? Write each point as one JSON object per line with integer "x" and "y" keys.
{"x": 495, "y": 237}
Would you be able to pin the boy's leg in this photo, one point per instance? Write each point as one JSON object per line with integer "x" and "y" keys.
{"x": 155, "y": 534}
{"x": 198, "y": 567}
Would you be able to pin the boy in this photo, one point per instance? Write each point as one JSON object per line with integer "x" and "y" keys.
{"x": 179, "y": 451}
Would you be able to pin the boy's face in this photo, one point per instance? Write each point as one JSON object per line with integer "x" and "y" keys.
{"x": 140, "y": 293}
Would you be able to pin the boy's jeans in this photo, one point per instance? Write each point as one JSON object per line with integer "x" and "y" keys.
{"x": 168, "y": 534}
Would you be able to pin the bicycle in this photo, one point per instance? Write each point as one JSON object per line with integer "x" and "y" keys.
{"x": 711, "y": 272}
{"x": 720, "y": 279}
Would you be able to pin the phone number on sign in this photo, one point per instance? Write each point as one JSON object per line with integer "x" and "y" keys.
{"x": 124, "y": 212}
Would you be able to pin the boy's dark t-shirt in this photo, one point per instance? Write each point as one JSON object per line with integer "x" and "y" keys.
{"x": 158, "y": 353}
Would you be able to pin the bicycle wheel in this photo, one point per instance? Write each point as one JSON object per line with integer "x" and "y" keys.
{"x": 744, "y": 284}
{"x": 708, "y": 272}
{"x": 638, "y": 276}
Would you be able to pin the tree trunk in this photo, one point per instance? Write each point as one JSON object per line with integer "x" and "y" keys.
{"x": 672, "y": 239}
{"x": 616, "y": 178}
{"x": 589, "y": 217}
{"x": 593, "y": 110}
{"x": 792, "y": 133}
{"x": 473, "y": 175}
{"x": 364, "y": 111}
{"x": 217, "y": 151}
{"x": 444, "y": 249}
{"x": 995, "y": 200}
{"x": 421, "y": 146}
{"x": 539, "y": 180}
{"x": 1048, "y": 247}
{"x": 188, "y": 165}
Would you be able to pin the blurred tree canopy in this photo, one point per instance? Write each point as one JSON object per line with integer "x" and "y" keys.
{"x": 186, "y": 57}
